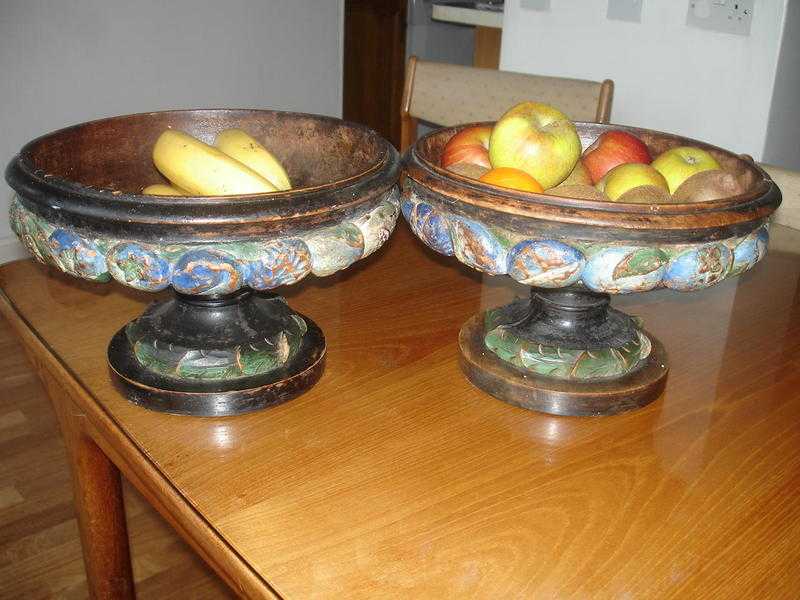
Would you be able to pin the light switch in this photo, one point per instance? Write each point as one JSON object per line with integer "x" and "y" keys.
{"x": 625, "y": 10}
{"x": 725, "y": 16}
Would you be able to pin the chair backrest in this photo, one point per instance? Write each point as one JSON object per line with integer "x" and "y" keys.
{"x": 789, "y": 183}
{"x": 447, "y": 95}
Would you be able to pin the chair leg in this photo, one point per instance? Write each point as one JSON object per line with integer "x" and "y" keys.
{"x": 408, "y": 131}
{"x": 604, "y": 101}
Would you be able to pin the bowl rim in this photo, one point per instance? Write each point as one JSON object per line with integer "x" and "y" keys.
{"x": 23, "y": 159}
{"x": 762, "y": 199}
{"x": 182, "y": 218}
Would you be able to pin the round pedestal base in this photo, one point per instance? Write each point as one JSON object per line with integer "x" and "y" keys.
{"x": 217, "y": 357}
{"x": 487, "y": 371}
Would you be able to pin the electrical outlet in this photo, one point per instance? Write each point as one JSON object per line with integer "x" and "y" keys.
{"x": 625, "y": 10}
{"x": 535, "y": 4}
{"x": 726, "y": 16}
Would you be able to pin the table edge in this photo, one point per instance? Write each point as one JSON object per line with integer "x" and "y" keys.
{"x": 139, "y": 470}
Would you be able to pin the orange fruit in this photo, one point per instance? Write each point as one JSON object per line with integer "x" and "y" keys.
{"x": 515, "y": 179}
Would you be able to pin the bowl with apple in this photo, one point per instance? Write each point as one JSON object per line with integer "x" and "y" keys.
{"x": 221, "y": 207}
{"x": 580, "y": 212}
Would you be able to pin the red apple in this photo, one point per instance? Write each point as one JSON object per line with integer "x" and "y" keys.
{"x": 538, "y": 139}
{"x": 626, "y": 177}
{"x": 468, "y": 146}
{"x": 611, "y": 149}
{"x": 678, "y": 164}
{"x": 512, "y": 178}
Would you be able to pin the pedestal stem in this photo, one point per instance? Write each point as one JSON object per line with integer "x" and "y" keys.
{"x": 572, "y": 319}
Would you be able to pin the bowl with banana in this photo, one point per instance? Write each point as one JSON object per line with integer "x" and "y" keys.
{"x": 222, "y": 207}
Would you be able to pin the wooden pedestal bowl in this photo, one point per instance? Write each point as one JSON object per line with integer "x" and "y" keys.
{"x": 224, "y": 344}
{"x": 564, "y": 350}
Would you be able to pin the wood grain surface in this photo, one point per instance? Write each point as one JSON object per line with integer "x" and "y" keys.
{"x": 40, "y": 549}
{"x": 394, "y": 478}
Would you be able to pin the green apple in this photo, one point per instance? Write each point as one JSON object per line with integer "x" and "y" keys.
{"x": 538, "y": 139}
{"x": 629, "y": 176}
{"x": 678, "y": 164}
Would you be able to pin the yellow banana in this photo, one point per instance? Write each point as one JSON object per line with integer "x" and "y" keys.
{"x": 160, "y": 189}
{"x": 241, "y": 146}
{"x": 203, "y": 170}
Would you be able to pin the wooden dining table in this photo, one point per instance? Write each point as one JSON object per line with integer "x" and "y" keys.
{"x": 394, "y": 478}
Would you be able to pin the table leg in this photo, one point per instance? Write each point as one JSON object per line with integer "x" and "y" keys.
{"x": 97, "y": 490}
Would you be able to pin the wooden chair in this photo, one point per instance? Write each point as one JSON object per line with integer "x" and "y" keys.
{"x": 447, "y": 95}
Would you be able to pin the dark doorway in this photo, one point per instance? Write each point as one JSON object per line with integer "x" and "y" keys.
{"x": 374, "y": 64}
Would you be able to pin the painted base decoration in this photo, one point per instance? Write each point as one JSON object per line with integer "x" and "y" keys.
{"x": 217, "y": 356}
{"x": 564, "y": 352}
{"x": 563, "y": 363}
{"x": 209, "y": 361}
{"x": 554, "y": 395}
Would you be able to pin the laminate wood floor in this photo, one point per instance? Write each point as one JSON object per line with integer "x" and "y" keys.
{"x": 40, "y": 552}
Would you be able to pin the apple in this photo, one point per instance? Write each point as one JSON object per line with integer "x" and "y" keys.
{"x": 678, "y": 164}
{"x": 468, "y": 146}
{"x": 614, "y": 148}
{"x": 626, "y": 177}
{"x": 538, "y": 139}
{"x": 512, "y": 178}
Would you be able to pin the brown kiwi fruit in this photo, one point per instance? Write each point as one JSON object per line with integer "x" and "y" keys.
{"x": 578, "y": 176}
{"x": 704, "y": 186}
{"x": 583, "y": 192}
{"x": 646, "y": 194}
{"x": 468, "y": 170}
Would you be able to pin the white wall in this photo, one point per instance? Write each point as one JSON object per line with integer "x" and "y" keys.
{"x": 67, "y": 62}
{"x": 782, "y": 147}
{"x": 712, "y": 86}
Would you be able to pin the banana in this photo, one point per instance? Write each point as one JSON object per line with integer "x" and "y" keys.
{"x": 160, "y": 189}
{"x": 241, "y": 146}
{"x": 203, "y": 170}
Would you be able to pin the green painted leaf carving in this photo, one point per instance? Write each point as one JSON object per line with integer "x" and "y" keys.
{"x": 563, "y": 363}
{"x": 604, "y": 362}
{"x": 505, "y": 345}
{"x": 640, "y": 262}
{"x": 255, "y": 363}
{"x": 189, "y": 371}
{"x": 147, "y": 356}
{"x": 219, "y": 364}
{"x": 548, "y": 360}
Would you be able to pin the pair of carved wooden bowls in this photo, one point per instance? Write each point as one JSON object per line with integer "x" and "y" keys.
{"x": 225, "y": 344}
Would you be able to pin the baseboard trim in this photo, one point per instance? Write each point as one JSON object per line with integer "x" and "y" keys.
{"x": 11, "y": 249}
